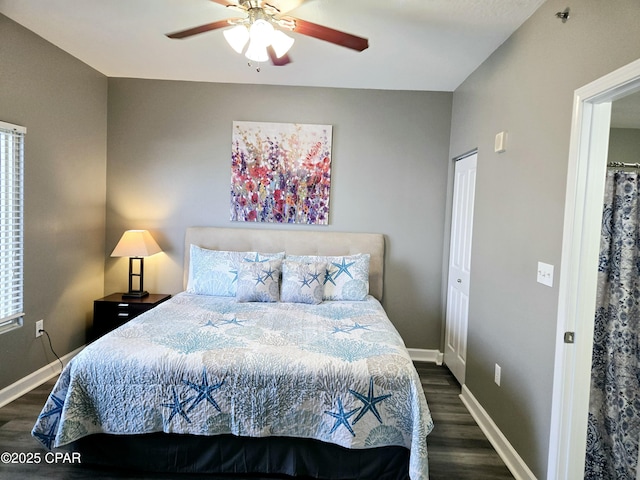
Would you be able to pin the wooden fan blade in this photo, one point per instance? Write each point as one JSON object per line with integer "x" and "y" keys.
{"x": 330, "y": 35}
{"x": 201, "y": 29}
{"x": 278, "y": 62}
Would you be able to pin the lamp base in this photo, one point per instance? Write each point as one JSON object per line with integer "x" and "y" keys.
{"x": 135, "y": 294}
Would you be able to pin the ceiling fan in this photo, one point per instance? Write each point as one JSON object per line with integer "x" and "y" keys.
{"x": 264, "y": 41}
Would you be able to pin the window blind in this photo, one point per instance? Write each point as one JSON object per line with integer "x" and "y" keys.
{"x": 11, "y": 225}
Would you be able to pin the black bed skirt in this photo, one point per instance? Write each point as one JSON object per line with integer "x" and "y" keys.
{"x": 228, "y": 454}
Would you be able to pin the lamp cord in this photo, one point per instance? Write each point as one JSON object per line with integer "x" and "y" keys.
{"x": 51, "y": 347}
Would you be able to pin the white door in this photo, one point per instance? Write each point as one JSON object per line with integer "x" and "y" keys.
{"x": 457, "y": 314}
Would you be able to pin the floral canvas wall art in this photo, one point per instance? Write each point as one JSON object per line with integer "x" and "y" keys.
{"x": 280, "y": 172}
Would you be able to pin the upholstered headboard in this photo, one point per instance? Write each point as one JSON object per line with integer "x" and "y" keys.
{"x": 292, "y": 242}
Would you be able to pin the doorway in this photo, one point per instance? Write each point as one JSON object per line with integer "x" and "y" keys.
{"x": 577, "y": 291}
{"x": 457, "y": 312}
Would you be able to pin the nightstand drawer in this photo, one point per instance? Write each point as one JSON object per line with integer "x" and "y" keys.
{"x": 112, "y": 311}
{"x": 130, "y": 310}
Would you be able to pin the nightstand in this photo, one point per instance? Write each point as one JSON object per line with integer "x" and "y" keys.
{"x": 112, "y": 311}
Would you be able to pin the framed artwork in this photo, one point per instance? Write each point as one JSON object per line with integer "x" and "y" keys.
{"x": 280, "y": 172}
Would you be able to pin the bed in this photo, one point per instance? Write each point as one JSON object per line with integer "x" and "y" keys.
{"x": 277, "y": 359}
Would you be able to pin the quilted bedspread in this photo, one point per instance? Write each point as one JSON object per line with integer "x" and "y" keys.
{"x": 337, "y": 372}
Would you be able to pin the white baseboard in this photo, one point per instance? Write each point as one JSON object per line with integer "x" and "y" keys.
{"x": 35, "y": 379}
{"x": 421, "y": 355}
{"x": 509, "y": 456}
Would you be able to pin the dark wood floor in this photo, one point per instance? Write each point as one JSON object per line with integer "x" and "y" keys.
{"x": 457, "y": 448}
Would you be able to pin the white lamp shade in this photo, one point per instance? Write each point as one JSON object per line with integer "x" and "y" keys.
{"x": 261, "y": 32}
{"x": 136, "y": 243}
{"x": 257, "y": 52}
{"x": 237, "y": 37}
{"x": 281, "y": 43}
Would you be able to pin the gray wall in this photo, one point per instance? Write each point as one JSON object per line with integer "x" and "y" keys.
{"x": 624, "y": 145}
{"x": 526, "y": 87}
{"x": 63, "y": 104}
{"x": 169, "y": 168}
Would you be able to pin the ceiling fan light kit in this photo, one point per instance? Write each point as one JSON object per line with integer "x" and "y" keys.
{"x": 265, "y": 41}
{"x": 237, "y": 37}
{"x": 281, "y": 43}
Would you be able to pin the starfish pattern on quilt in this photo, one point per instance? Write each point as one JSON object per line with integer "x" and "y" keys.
{"x": 204, "y": 391}
{"x": 57, "y": 410}
{"x": 343, "y": 268}
{"x": 48, "y": 438}
{"x": 341, "y": 330}
{"x": 260, "y": 279}
{"x": 342, "y": 417}
{"x": 177, "y": 407}
{"x": 233, "y": 321}
{"x": 369, "y": 402}
{"x": 357, "y": 326}
{"x": 305, "y": 282}
{"x": 210, "y": 323}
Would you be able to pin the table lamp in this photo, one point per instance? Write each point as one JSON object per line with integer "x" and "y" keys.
{"x": 136, "y": 244}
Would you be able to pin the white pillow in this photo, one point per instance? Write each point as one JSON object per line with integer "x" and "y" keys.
{"x": 215, "y": 272}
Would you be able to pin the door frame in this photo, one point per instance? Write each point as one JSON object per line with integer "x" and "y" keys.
{"x": 578, "y": 271}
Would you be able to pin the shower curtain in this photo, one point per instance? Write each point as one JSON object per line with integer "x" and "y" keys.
{"x": 614, "y": 404}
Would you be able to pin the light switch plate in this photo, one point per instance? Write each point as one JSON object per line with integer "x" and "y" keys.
{"x": 545, "y": 274}
{"x": 501, "y": 142}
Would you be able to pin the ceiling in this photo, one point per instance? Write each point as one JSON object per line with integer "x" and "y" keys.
{"x": 414, "y": 44}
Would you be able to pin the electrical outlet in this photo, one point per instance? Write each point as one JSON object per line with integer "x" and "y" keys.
{"x": 39, "y": 328}
{"x": 497, "y": 374}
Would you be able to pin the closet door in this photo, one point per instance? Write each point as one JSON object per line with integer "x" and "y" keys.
{"x": 457, "y": 314}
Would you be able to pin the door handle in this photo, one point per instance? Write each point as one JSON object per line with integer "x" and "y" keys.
{"x": 459, "y": 280}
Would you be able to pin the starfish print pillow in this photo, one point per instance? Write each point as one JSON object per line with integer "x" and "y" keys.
{"x": 303, "y": 282}
{"x": 259, "y": 281}
{"x": 345, "y": 278}
{"x": 215, "y": 272}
